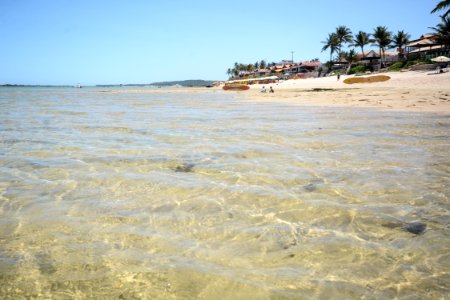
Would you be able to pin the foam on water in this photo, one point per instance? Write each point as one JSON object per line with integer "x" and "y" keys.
{"x": 205, "y": 195}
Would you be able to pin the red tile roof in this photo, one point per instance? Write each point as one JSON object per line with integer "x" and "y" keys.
{"x": 311, "y": 63}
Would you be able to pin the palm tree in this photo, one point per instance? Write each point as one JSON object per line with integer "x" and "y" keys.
{"x": 361, "y": 39}
{"x": 262, "y": 64}
{"x": 399, "y": 41}
{"x": 442, "y": 32}
{"x": 344, "y": 35}
{"x": 444, "y": 4}
{"x": 235, "y": 70}
{"x": 382, "y": 39}
{"x": 329, "y": 66}
{"x": 332, "y": 43}
{"x": 229, "y": 72}
{"x": 341, "y": 56}
{"x": 350, "y": 57}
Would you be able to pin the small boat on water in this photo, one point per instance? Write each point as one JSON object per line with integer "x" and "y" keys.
{"x": 235, "y": 87}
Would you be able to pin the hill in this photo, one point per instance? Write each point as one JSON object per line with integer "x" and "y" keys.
{"x": 189, "y": 83}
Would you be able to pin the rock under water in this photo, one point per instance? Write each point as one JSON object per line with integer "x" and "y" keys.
{"x": 186, "y": 168}
{"x": 416, "y": 227}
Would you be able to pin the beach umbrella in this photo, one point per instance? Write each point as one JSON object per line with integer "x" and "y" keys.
{"x": 440, "y": 59}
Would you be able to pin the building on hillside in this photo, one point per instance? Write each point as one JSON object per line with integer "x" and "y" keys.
{"x": 305, "y": 67}
{"x": 262, "y": 72}
{"x": 280, "y": 69}
{"x": 425, "y": 46}
{"x": 283, "y": 70}
{"x": 244, "y": 73}
{"x": 371, "y": 58}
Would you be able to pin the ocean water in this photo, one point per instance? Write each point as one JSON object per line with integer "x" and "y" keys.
{"x": 181, "y": 195}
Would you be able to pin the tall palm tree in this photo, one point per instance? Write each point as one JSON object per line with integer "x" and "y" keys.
{"x": 442, "y": 32}
{"x": 344, "y": 36}
{"x": 382, "y": 38}
{"x": 332, "y": 43}
{"x": 361, "y": 39}
{"x": 444, "y": 4}
{"x": 399, "y": 41}
{"x": 350, "y": 57}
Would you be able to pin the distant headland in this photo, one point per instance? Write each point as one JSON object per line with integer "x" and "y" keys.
{"x": 184, "y": 83}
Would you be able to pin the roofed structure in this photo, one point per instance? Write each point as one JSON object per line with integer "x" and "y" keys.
{"x": 425, "y": 43}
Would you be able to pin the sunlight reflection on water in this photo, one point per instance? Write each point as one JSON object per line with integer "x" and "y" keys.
{"x": 204, "y": 195}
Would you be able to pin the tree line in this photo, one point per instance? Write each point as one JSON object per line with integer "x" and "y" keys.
{"x": 382, "y": 38}
{"x": 240, "y": 67}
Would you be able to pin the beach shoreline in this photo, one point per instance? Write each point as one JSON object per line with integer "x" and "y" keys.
{"x": 405, "y": 91}
{"x": 414, "y": 91}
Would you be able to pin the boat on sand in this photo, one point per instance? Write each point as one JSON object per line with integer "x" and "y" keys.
{"x": 235, "y": 87}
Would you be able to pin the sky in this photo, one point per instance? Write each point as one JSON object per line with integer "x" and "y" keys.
{"x": 65, "y": 42}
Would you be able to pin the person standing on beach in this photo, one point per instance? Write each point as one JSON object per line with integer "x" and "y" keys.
{"x": 338, "y": 76}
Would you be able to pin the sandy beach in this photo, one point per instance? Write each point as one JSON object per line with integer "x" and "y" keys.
{"x": 405, "y": 91}
{"x": 412, "y": 91}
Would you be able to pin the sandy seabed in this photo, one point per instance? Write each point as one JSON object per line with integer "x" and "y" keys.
{"x": 209, "y": 194}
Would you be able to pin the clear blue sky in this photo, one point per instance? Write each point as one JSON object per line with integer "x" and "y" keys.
{"x": 102, "y": 42}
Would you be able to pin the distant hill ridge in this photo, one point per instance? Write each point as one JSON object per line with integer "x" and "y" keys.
{"x": 189, "y": 83}
{"x": 192, "y": 82}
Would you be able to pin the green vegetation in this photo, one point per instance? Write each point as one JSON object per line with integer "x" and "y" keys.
{"x": 399, "y": 41}
{"x": 442, "y": 5}
{"x": 344, "y": 36}
{"x": 350, "y": 57}
{"x": 397, "y": 66}
{"x": 331, "y": 43}
{"x": 362, "y": 39}
{"x": 382, "y": 38}
{"x": 336, "y": 40}
{"x": 358, "y": 70}
{"x": 400, "y": 65}
{"x": 239, "y": 67}
{"x": 442, "y": 31}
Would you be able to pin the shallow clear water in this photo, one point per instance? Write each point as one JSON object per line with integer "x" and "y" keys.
{"x": 208, "y": 196}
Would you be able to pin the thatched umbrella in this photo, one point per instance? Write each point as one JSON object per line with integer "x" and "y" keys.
{"x": 441, "y": 59}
